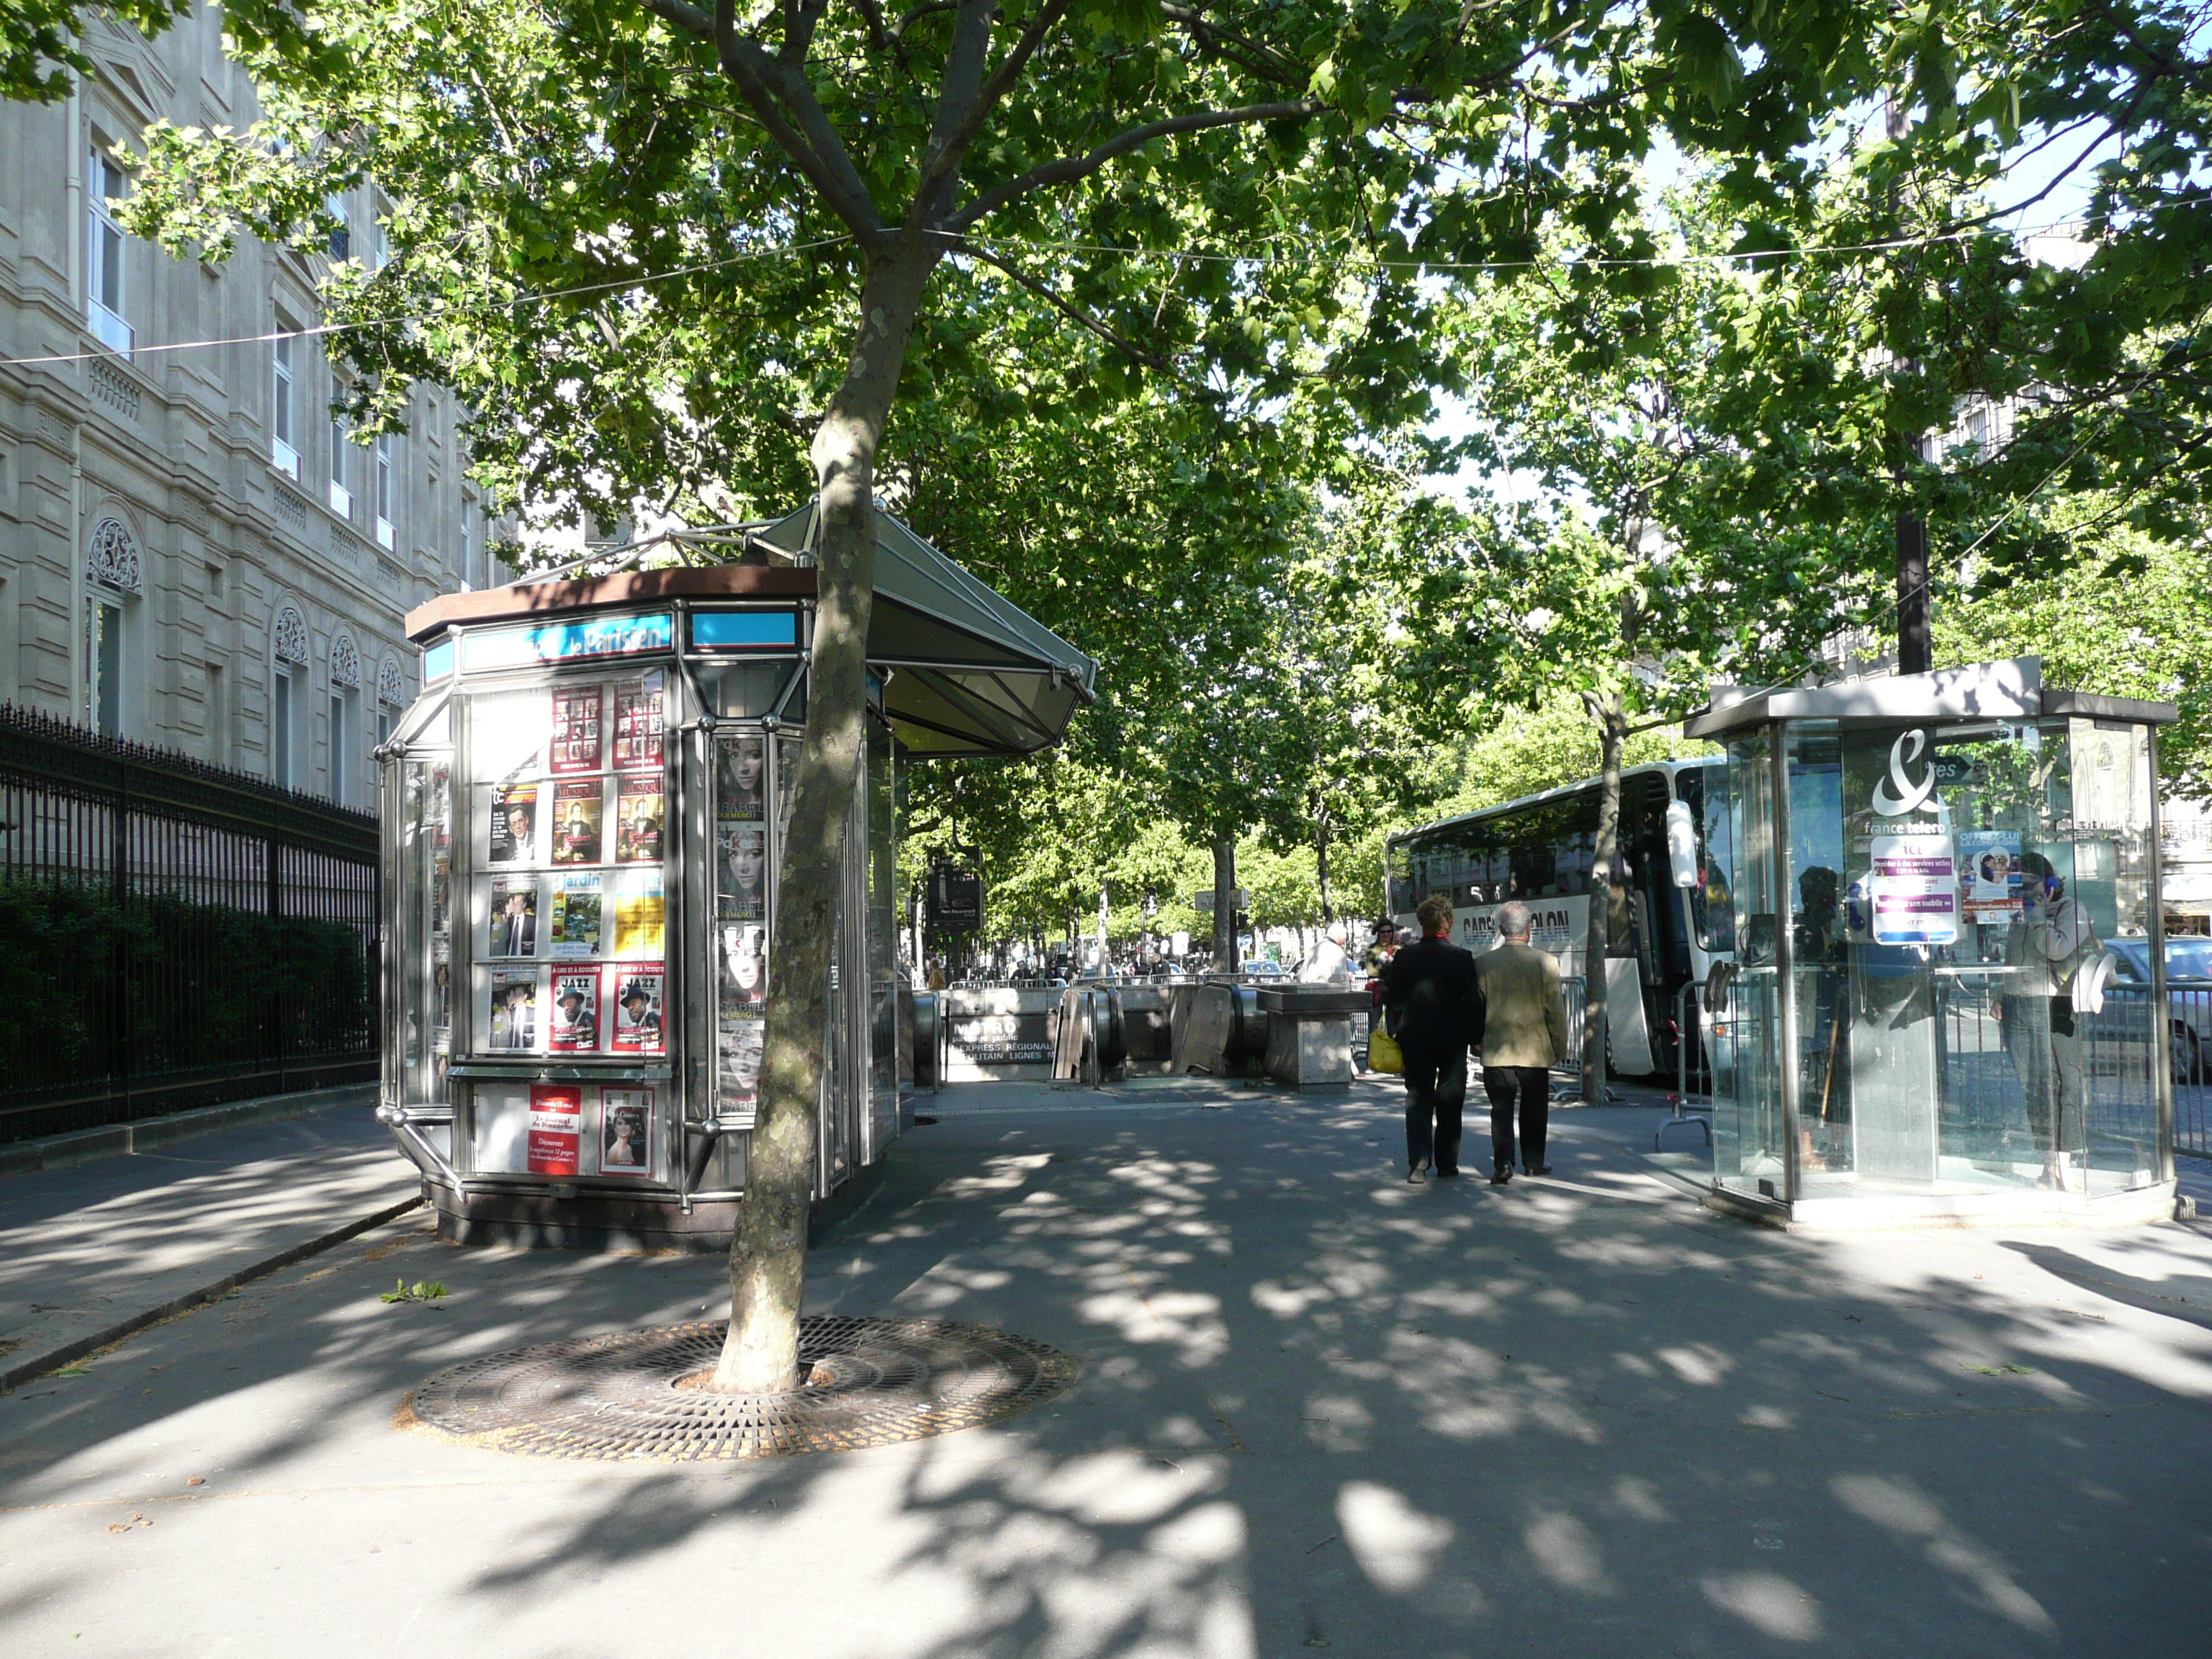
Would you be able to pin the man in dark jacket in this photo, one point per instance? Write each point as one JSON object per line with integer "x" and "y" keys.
{"x": 1430, "y": 987}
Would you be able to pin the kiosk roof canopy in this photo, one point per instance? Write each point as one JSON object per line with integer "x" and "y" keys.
{"x": 1989, "y": 691}
{"x": 965, "y": 671}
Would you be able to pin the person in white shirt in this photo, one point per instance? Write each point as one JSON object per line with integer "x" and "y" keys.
{"x": 2043, "y": 946}
{"x": 1329, "y": 961}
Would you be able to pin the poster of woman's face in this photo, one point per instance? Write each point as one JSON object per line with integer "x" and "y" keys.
{"x": 744, "y": 765}
{"x": 744, "y": 868}
{"x": 744, "y": 963}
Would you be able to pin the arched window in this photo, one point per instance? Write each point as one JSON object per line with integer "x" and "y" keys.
{"x": 288, "y": 696}
{"x": 346, "y": 778}
{"x": 113, "y": 573}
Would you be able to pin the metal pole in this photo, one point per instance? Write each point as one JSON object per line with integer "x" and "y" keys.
{"x": 1785, "y": 965}
{"x": 2161, "y": 1040}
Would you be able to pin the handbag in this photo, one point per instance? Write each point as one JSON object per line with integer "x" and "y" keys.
{"x": 1383, "y": 1053}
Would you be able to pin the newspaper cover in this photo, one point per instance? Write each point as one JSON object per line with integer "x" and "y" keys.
{"x": 638, "y": 995}
{"x": 576, "y": 811}
{"x": 641, "y": 915}
{"x": 512, "y": 1014}
{"x": 575, "y": 734}
{"x": 740, "y": 769}
{"x": 515, "y": 824}
{"x": 637, "y": 820}
{"x": 556, "y": 1117}
{"x": 573, "y": 1025}
{"x": 742, "y": 1040}
{"x": 745, "y": 967}
{"x": 578, "y": 903}
{"x": 512, "y": 929}
{"x": 625, "y": 1130}
{"x": 638, "y": 722}
{"x": 740, "y": 871}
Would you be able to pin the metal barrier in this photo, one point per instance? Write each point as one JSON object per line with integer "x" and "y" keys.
{"x": 1690, "y": 1035}
{"x": 2189, "y": 1062}
{"x": 180, "y": 934}
{"x": 1577, "y": 996}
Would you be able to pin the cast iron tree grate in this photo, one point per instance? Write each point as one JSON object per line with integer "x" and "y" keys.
{"x": 875, "y": 1381}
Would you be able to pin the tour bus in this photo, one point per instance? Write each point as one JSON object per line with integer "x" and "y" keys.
{"x": 1539, "y": 849}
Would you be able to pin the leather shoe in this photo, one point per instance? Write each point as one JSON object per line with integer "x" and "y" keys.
{"x": 1498, "y": 1177}
{"x": 1536, "y": 1169}
{"x": 1415, "y": 1178}
{"x": 1446, "y": 1175}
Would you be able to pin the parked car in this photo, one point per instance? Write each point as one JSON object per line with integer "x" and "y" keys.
{"x": 2188, "y": 995}
{"x": 1264, "y": 968}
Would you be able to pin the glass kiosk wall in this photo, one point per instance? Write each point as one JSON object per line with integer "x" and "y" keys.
{"x": 1923, "y": 873}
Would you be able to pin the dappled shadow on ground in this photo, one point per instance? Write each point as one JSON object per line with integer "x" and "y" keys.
{"x": 1320, "y": 1410}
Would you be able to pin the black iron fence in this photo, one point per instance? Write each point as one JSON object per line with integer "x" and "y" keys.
{"x": 172, "y": 935}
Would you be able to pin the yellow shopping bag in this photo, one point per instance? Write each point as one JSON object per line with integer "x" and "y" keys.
{"x": 1383, "y": 1053}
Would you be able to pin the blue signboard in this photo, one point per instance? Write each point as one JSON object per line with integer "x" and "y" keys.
{"x": 744, "y": 630}
{"x": 438, "y": 661}
{"x": 598, "y": 636}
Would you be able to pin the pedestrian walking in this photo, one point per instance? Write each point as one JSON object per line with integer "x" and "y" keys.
{"x": 1524, "y": 1035}
{"x": 1430, "y": 985}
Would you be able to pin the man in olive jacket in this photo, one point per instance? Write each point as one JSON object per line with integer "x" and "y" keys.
{"x": 1524, "y": 1035}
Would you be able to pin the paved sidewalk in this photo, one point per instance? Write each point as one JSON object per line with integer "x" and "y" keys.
{"x": 1321, "y": 1412}
{"x": 91, "y": 1249}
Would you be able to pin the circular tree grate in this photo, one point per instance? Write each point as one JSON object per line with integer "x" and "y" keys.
{"x": 877, "y": 1381}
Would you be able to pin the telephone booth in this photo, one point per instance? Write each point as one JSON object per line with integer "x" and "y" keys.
{"x": 1913, "y": 887}
{"x": 583, "y": 818}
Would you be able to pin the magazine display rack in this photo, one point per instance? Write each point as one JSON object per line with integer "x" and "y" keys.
{"x": 583, "y": 819}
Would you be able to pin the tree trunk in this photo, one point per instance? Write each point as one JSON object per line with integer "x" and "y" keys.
{"x": 1321, "y": 864}
{"x": 1605, "y": 855}
{"x": 767, "y": 1255}
{"x": 1224, "y": 905}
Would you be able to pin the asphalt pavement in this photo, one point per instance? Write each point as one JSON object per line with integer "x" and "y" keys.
{"x": 1321, "y": 1411}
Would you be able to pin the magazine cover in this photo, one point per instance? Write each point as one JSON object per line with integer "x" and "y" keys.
{"x": 512, "y": 929}
{"x": 740, "y": 770}
{"x": 743, "y": 1042}
{"x": 573, "y": 1026}
{"x": 625, "y": 1130}
{"x": 740, "y": 871}
{"x": 744, "y": 966}
{"x": 441, "y": 807}
{"x": 641, "y": 915}
{"x": 511, "y": 1015}
{"x": 556, "y": 1117}
{"x": 638, "y": 722}
{"x": 441, "y": 898}
{"x": 515, "y": 824}
{"x": 638, "y": 993}
{"x": 637, "y": 820}
{"x": 576, "y": 810}
{"x": 575, "y": 734}
{"x": 577, "y": 907}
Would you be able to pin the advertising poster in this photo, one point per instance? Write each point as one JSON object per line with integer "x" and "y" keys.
{"x": 641, "y": 915}
{"x": 575, "y": 731}
{"x": 576, "y": 916}
{"x": 740, "y": 871}
{"x": 576, "y": 810}
{"x": 625, "y": 1132}
{"x": 513, "y": 824}
{"x": 638, "y": 723}
{"x": 511, "y": 1011}
{"x": 1915, "y": 890}
{"x": 556, "y": 1121}
{"x": 573, "y": 1027}
{"x": 743, "y": 1042}
{"x": 1988, "y": 874}
{"x": 637, "y": 820}
{"x": 740, "y": 780}
{"x": 637, "y": 997}
{"x": 744, "y": 966}
{"x": 512, "y": 928}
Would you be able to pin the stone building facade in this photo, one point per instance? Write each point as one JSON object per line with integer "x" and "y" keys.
{"x": 192, "y": 552}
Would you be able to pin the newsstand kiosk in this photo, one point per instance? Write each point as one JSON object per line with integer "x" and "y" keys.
{"x": 583, "y": 814}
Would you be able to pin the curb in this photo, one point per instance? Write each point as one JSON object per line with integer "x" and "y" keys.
{"x": 84, "y": 1146}
{"x": 54, "y": 1358}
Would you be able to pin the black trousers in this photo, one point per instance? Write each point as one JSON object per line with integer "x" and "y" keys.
{"x": 1436, "y": 1099}
{"x": 1529, "y": 1087}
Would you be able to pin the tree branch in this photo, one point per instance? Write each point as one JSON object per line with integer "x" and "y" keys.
{"x": 803, "y": 133}
{"x": 872, "y": 15}
{"x": 961, "y": 106}
{"x": 1255, "y": 56}
{"x": 1070, "y": 167}
{"x": 1127, "y": 348}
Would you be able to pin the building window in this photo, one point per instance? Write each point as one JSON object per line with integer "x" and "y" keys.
{"x": 105, "y": 295}
{"x": 468, "y": 547}
{"x": 341, "y": 455}
{"x": 104, "y": 659}
{"x": 280, "y": 727}
{"x": 343, "y": 718}
{"x": 341, "y": 242}
{"x": 284, "y": 441}
{"x": 385, "y": 462}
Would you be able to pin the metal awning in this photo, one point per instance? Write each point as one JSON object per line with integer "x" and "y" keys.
{"x": 967, "y": 672}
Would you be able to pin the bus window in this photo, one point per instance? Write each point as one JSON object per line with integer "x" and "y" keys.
{"x": 1704, "y": 790}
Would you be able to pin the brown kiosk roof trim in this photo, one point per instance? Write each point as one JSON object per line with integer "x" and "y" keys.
{"x": 519, "y": 601}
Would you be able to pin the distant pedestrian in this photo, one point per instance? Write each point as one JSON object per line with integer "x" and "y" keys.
{"x": 1524, "y": 1035}
{"x": 1377, "y": 954}
{"x": 1329, "y": 961}
{"x": 1430, "y": 985}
